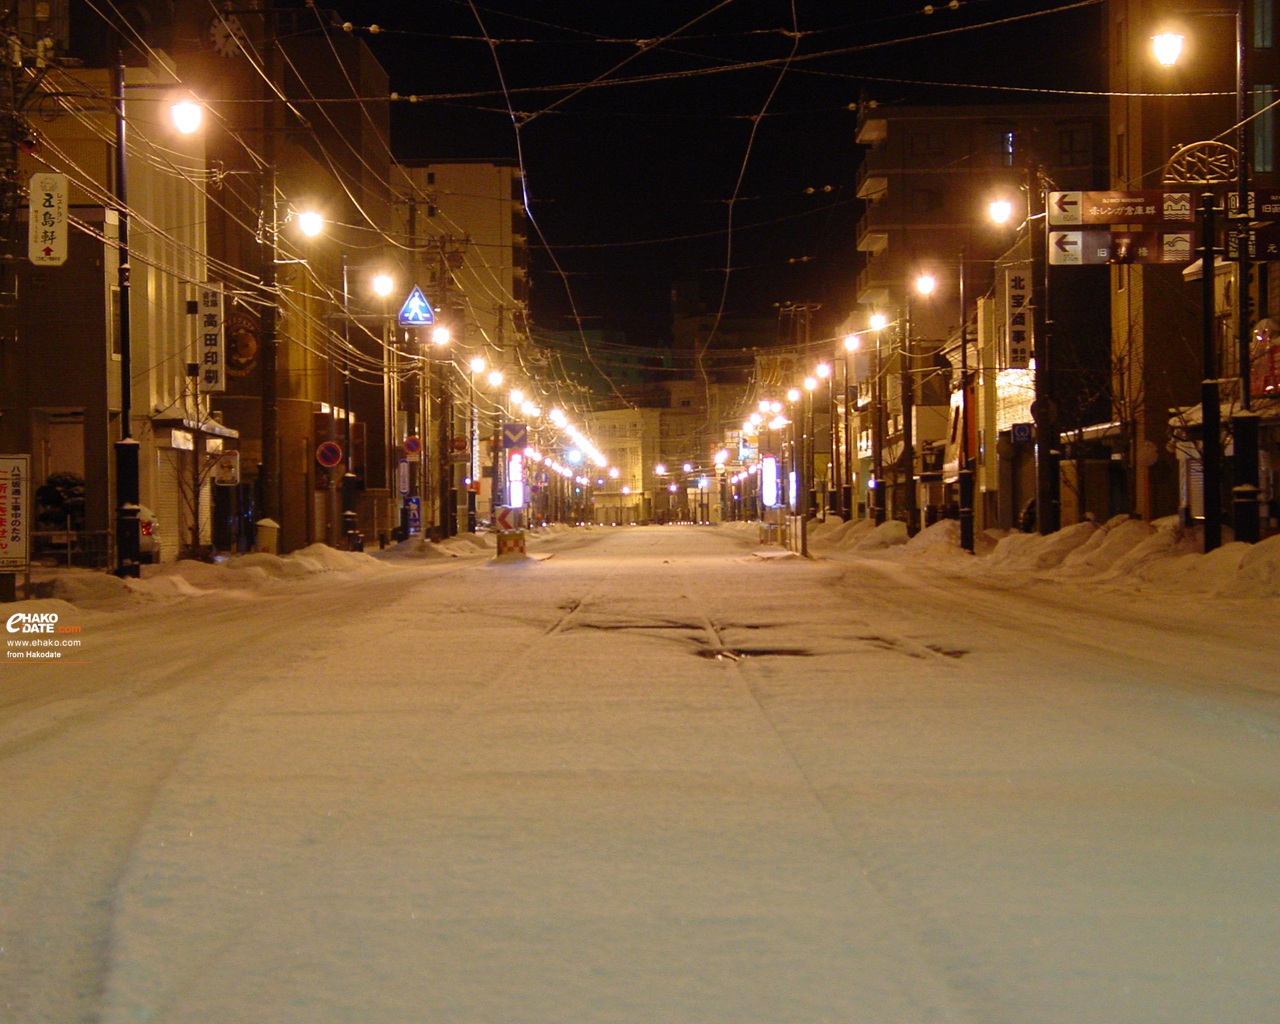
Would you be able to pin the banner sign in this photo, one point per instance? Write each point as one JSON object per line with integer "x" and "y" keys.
{"x": 15, "y": 529}
{"x": 47, "y": 224}
{"x": 212, "y": 372}
{"x": 1020, "y": 340}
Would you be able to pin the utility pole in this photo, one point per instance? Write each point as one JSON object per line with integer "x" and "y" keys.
{"x": 1245, "y": 423}
{"x": 126, "y": 449}
{"x": 269, "y": 477}
{"x": 907, "y": 385}
{"x": 1044, "y": 409}
{"x": 965, "y": 457}
{"x": 1210, "y": 401}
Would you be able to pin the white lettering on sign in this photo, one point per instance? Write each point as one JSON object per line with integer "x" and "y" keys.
{"x": 1018, "y": 320}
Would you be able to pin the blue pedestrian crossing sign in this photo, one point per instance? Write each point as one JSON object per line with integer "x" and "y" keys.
{"x": 416, "y": 311}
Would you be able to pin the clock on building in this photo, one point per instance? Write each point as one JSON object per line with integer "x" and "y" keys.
{"x": 227, "y": 35}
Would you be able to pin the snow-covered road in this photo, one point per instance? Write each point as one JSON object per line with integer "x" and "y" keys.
{"x": 654, "y": 778}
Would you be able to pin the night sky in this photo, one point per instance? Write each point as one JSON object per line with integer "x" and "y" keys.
{"x": 692, "y": 120}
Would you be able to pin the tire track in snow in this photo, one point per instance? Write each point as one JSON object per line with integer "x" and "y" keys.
{"x": 937, "y": 987}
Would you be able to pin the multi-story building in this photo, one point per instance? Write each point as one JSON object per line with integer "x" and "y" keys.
{"x": 929, "y": 177}
{"x": 1177, "y": 126}
{"x": 464, "y": 243}
{"x": 69, "y": 334}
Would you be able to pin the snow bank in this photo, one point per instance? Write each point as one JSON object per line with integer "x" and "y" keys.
{"x": 1258, "y": 574}
{"x": 1115, "y": 538}
{"x": 888, "y": 534}
{"x": 1123, "y": 552}
{"x": 241, "y": 575}
{"x": 92, "y": 590}
{"x": 1032, "y": 551}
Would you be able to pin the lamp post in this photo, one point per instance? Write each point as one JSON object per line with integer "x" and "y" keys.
{"x": 849, "y": 346}
{"x": 925, "y": 285}
{"x": 476, "y": 365}
{"x": 832, "y": 478}
{"x": 1210, "y": 403}
{"x": 1044, "y": 410}
{"x": 808, "y": 483}
{"x": 1167, "y": 47}
{"x": 126, "y": 449}
{"x": 878, "y": 323}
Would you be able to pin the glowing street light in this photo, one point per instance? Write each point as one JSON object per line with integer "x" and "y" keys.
{"x": 187, "y": 116}
{"x": 1167, "y": 47}
{"x": 1000, "y": 210}
{"x": 310, "y": 223}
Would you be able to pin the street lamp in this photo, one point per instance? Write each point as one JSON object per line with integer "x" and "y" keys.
{"x": 926, "y": 285}
{"x": 878, "y": 323}
{"x": 850, "y": 345}
{"x": 1044, "y": 410}
{"x": 1167, "y": 47}
{"x": 187, "y": 115}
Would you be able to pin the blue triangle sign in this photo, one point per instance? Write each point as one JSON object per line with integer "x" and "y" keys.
{"x": 416, "y": 311}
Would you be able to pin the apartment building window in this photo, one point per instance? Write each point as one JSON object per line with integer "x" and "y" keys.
{"x": 998, "y": 142}
{"x": 1264, "y": 24}
{"x": 1264, "y": 129}
{"x": 925, "y": 141}
{"x": 927, "y": 200}
{"x": 1075, "y": 146}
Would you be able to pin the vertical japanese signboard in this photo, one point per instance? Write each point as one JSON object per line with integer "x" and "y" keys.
{"x": 47, "y": 226}
{"x": 1018, "y": 328}
{"x": 15, "y": 531}
{"x": 210, "y": 344}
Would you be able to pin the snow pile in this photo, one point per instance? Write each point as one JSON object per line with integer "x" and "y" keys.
{"x": 1032, "y": 551}
{"x": 1123, "y": 552}
{"x": 1258, "y": 572}
{"x": 205, "y": 576}
{"x": 414, "y": 547}
{"x": 465, "y": 545}
{"x": 185, "y": 579}
{"x": 888, "y": 534}
{"x": 277, "y": 567}
{"x": 333, "y": 560}
{"x": 846, "y": 533}
{"x": 1114, "y": 539}
{"x": 941, "y": 540}
{"x": 91, "y": 590}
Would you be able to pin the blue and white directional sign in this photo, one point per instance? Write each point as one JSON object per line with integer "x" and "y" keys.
{"x": 515, "y": 435}
{"x": 416, "y": 311}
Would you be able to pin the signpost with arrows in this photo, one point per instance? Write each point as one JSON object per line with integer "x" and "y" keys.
{"x": 1090, "y": 246}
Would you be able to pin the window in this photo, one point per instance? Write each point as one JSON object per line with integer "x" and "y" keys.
{"x": 998, "y": 145}
{"x": 113, "y": 326}
{"x": 925, "y": 141}
{"x": 926, "y": 200}
{"x": 1264, "y": 27}
{"x": 1075, "y": 146}
{"x": 1264, "y": 129}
